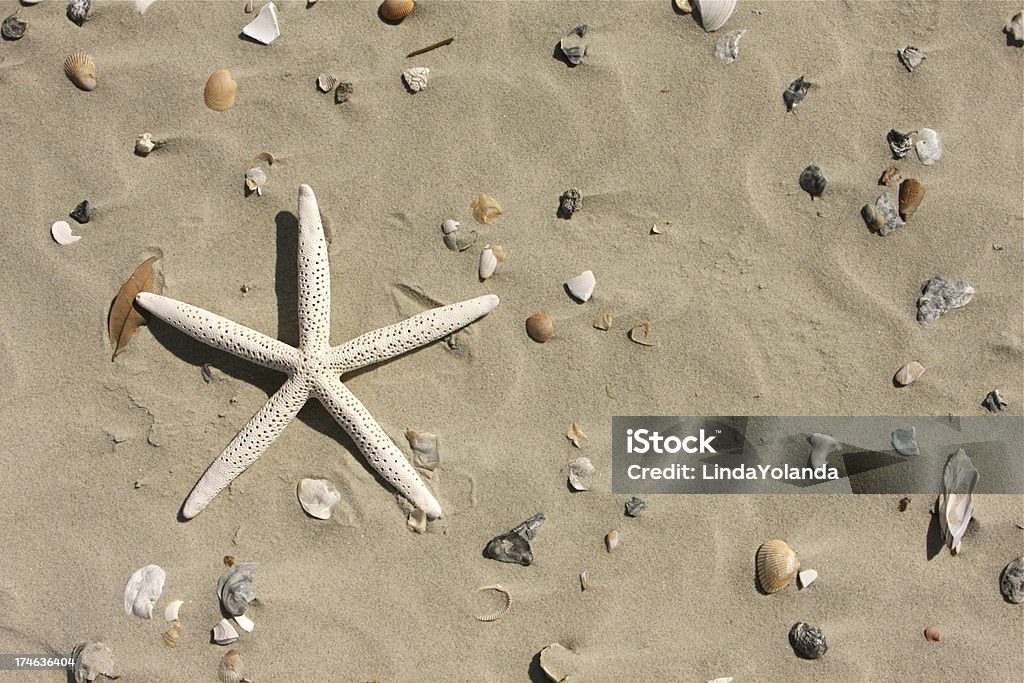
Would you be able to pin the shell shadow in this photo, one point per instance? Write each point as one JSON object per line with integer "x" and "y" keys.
{"x": 286, "y": 277}
{"x": 534, "y": 671}
{"x": 934, "y": 541}
{"x": 560, "y": 56}
{"x": 248, "y": 39}
{"x": 1010, "y": 41}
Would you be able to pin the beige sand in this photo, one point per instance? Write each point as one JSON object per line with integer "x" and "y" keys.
{"x": 761, "y": 302}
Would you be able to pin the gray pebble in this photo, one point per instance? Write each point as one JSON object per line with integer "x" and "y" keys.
{"x": 939, "y": 296}
{"x": 569, "y": 203}
{"x": 994, "y": 402}
{"x": 634, "y": 506}
{"x": 904, "y": 440}
{"x": 574, "y": 45}
{"x": 812, "y": 181}
{"x": 808, "y": 641}
{"x": 1012, "y": 582}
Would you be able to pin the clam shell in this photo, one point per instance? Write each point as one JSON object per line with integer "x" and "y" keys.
{"x": 611, "y": 541}
{"x": 224, "y": 633}
{"x": 244, "y": 623}
{"x": 582, "y": 286}
{"x": 714, "y": 13}
{"x": 494, "y": 616}
{"x": 396, "y": 10}
{"x": 641, "y": 333}
{"x": 143, "y": 590}
{"x": 928, "y": 146}
{"x": 777, "y": 565}
{"x": 488, "y": 262}
{"x": 235, "y": 588}
{"x": 172, "y": 634}
{"x": 264, "y": 27}
{"x": 62, "y": 235}
{"x": 81, "y": 70}
{"x": 956, "y": 503}
{"x": 317, "y": 497}
{"x": 424, "y": 448}
{"x": 911, "y": 57}
{"x": 911, "y": 194}
{"x": 539, "y": 327}
{"x": 220, "y": 90}
{"x": 909, "y": 373}
{"x": 485, "y": 208}
{"x": 580, "y": 472}
{"x": 326, "y": 81}
{"x": 230, "y": 669}
{"x": 171, "y": 611}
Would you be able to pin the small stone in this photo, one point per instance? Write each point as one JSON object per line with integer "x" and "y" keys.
{"x": 634, "y": 506}
{"x": 899, "y": 143}
{"x": 908, "y": 374}
{"x": 244, "y": 289}
{"x": 342, "y": 93}
{"x": 808, "y": 641}
{"x": 911, "y": 57}
{"x": 890, "y": 175}
{"x": 939, "y": 296}
{"x": 933, "y": 634}
{"x": 904, "y": 440}
{"x": 574, "y": 45}
{"x": 807, "y": 577}
{"x": 812, "y": 181}
{"x": 994, "y": 402}
{"x": 569, "y": 203}
{"x": 903, "y": 504}
{"x": 795, "y": 93}
{"x": 1012, "y": 582}
{"x": 82, "y": 212}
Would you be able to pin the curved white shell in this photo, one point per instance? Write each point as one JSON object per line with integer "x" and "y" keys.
{"x": 317, "y": 497}
{"x": 580, "y": 471}
{"x": 714, "y": 13}
{"x": 416, "y": 78}
{"x": 956, "y": 503}
{"x": 245, "y": 623}
{"x": 61, "y": 233}
{"x": 224, "y": 633}
{"x": 928, "y": 146}
{"x": 488, "y": 262}
{"x": 582, "y": 286}
{"x": 264, "y": 27}
{"x": 143, "y": 590}
{"x": 142, "y": 5}
{"x": 822, "y": 445}
{"x": 171, "y": 611}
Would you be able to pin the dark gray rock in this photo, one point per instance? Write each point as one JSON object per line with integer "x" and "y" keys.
{"x": 808, "y": 641}
{"x": 634, "y": 506}
{"x": 13, "y": 28}
{"x": 1012, "y": 582}
{"x": 994, "y": 402}
{"x": 899, "y": 143}
{"x": 812, "y": 181}
{"x": 795, "y": 93}
{"x": 514, "y": 546}
{"x": 904, "y": 440}
{"x": 569, "y": 203}
{"x": 83, "y": 212}
{"x": 78, "y": 10}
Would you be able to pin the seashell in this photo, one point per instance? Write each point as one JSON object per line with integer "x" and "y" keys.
{"x": 83, "y": 212}
{"x": 580, "y": 472}
{"x": 928, "y": 147}
{"x": 581, "y": 287}
{"x": 911, "y": 57}
{"x": 342, "y": 93}
{"x": 424, "y": 449}
{"x": 555, "y": 662}
{"x": 584, "y": 580}
{"x": 78, "y": 10}
{"x": 229, "y": 560}
{"x": 326, "y": 82}
{"x": 890, "y": 175}
{"x": 683, "y": 6}
{"x": 807, "y": 577}
{"x": 727, "y": 49}
{"x": 417, "y": 520}
{"x": 255, "y": 179}
{"x": 714, "y": 13}
{"x": 956, "y": 502}
{"x": 171, "y": 611}
{"x": 574, "y": 45}
{"x": 244, "y": 622}
{"x": 317, "y": 497}
{"x": 611, "y": 540}
{"x": 264, "y": 28}
{"x": 92, "y": 660}
{"x": 904, "y": 441}
{"x": 485, "y": 208}
{"x": 885, "y": 212}
{"x": 505, "y": 608}
{"x": 416, "y": 78}
{"x": 575, "y": 434}
{"x": 808, "y": 641}
{"x": 933, "y": 634}
{"x": 777, "y": 565}
{"x": 61, "y": 233}
{"x": 994, "y": 402}
{"x": 1011, "y": 581}
{"x": 172, "y": 634}
{"x": 235, "y": 588}
{"x": 144, "y": 144}
{"x": 569, "y": 203}
{"x": 1015, "y": 29}
{"x": 604, "y": 323}
{"x": 142, "y": 5}
{"x": 899, "y": 143}
{"x": 821, "y": 446}
{"x": 539, "y": 327}
{"x": 514, "y": 546}
{"x": 220, "y": 90}
{"x": 224, "y": 633}
{"x": 81, "y": 70}
{"x": 230, "y": 669}
{"x": 908, "y": 374}
{"x": 812, "y": 181}
{"x": 396, "y": 10}
{"x": 634, "y": 506}
{"x": 12, "y": 28}
{"x": 641, "y": 333}
{"x": 490, "y": 257}
{"x": 795, "y": 93}
{"x": 939, "y": 296}
{"x": 143, "y": 590}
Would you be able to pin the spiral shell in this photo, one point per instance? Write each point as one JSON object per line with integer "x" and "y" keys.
{"x": 81, "y": 70}
{"x": 396, "y": 10}
{"x": 777, "y": 565}
{"x": 172, "y": 634}
{"x": 220, "y": 90}
{"x": 539, "y": 327}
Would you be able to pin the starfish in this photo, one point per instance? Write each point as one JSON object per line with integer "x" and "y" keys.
{"x": 314, "y": 368}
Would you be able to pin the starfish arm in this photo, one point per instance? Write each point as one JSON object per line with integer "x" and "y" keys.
{"x": 379, "y": 450}
{"x": 314, "y": 276}
{"x": 221, "y": 333}
{"x": 419, "y": 330}
{"x": 248, "y": 445}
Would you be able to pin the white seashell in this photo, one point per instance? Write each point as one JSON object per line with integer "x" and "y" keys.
{"x": 61, "y": 233}
{"x": 326, "y": 82}
{"x": 317, "y": 497}
{"x": 144, "y": 144}
{"x": 928, "y": 146}
{"x": 448, "y": 230}
{"x": 582, "y": 286}
{"x": 494, "y": 616}
{"x": 142, "y": 5}
{"x": 224, "y": 633}
{"x": 822, "y": 445}
{"x": 245, "y": 623}
{"x": 488, "y": 262}
{"x": 417, "y": 520}
{"x": 416, "y": 78}
{"x": 255, "y": 179}
{"x": 580, "y": 472}
{"x": 424, "y": 448}
{"x": 807, "y": 577}
{"x": 171, "y": 611}
{"x": 683, "y": 6}
{"x": 714, "y": 13}
{"x": 726, "y": 49}
{"x": 264, "y": 27}
{"x": 235, "y": 588}
{"x": 1015, "y": 28}
{"x": 611, "y": 541}
{"x": 956, "y": 502}
{"x": 143, "y": 590}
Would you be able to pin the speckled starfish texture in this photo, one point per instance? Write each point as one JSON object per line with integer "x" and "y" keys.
{"x": 315, "y": 368}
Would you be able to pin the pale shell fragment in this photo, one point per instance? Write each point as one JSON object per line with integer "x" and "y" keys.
{"x": 326, "y": 82}
{"x": 505, "y": 608}
{"x": 424, "y": 449}
{"x": 1016, "y": 28}
{"x": 928, "y": 146}
{"x": 807, "y": 577}
{"x": 909, "y": 373}
{"x": 172, "y": 634}
{"x": 575, "y": 434}
{"x": 727, "y": 49}
{"x": 777, "y": 565}
{"x": 956, "y": 502}
{"x": 485, "y": 208}
{"x": 582, "y": 286}
{"x": 604, "y": 323}
{"x": 580, "y": 472}
{"x": 245, "y": 623}
{"x": 488, "y": 262}
{"x": 416, "y": 78}
{"x": 584, "y": 580}
{"x": 417, "y": 520}
{"x": 821, "y": 446}
{"x": 143, "y": 590}
{"x": 144, "y": 144}
{"x": 255, "y": 179}
{"x": 911, "y": 57}
{"x": 611, "y": 541}
{"x": 62, "y": 235}
{"x": 142, "y": 5}
{"x": 224, "y": 633}
{"x": 264, "y": 27}
{"x": 171, "y": 611}
{"x": 92, "y": 660}
{"x": 317, "y": 497}
{"x": 554, "y": 662}
{"x": 235, "y": 587}
{"x": 714, "y": 13}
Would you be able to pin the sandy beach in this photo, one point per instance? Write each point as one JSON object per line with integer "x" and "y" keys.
{"x": 760, "y": 300}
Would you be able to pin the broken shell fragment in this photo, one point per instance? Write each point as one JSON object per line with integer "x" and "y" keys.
{"x": 255, "y": 179}
{"x": 580, "y": 472}
{"x": 933, "y": 634}
{"x": 795, "y": 93}
{"x": 727, "y": 49}
{"x": 806, "y": 577}
{"x": 264, "y": 27}
{"x": 555, "y": 663}
{"x": 939, "y": 296}
{"x": 244, "y": 622}
{"x": 574, "y": 45}
{"x": 634, "y": 506}
{"x": 62, "y": 235}
{"x": 641, "y": 334}
{"x": 812, "y": 181}
{"x": 994, "y": 402}
{"x": 611, "y": 540}
{"x": 396, "y": 10}
{"x": 714, "y": 13}
{"x": 485, "y": 208}
{"x": 956, "y": 502}
{"x": 575, "y": 434}
{"x": 683, "y": 6}
{"x": 417, "y": 520}
{"x": 416, "y": 78}
{"x": 235, "y": 588}
{"x": 424, "y": 449}
{"x": 821, "y": 446}
{"x": 514, "y": 546}
{"x": 144, "y": 144}
{"x": 777, "y": 565}
{"x": 890, "y": 175}
{"x": 224, "y": 633}
{"x": 172, "y": 634}
{"x": 507, "y": 597}
{"x": 171, "y": 611}
{"x": 539, "y": 327}
{"x": 808, "y": 641}
{"x": 230, "y": 669}
{"x": 143, "y": 590}
{"x": 220, "y": 90}
{"x": 569, "y": 203}
{"x": 81, "y": 70}
{"x": 584, "y": 580}
{"x": 92, "y": 660}
{"x": 911, "y": 57}
{"x": 317, "y": 497}
{"x": 928, "y": 146}
{"x": 904, "y": 441}
{"x": 326, "y": 81}
{"x": 78, "y": 11}
{"x": 12, "y": 28}
{"x": 83, "y": 212}
{"x": 1011, "y": 581}
{"x": 1015, "y": 29}
{"x": 604, "y": 323}
{"x": 899, "y": 143}
{"x": 582, "y": 286}
{"x": 908, "y": 374}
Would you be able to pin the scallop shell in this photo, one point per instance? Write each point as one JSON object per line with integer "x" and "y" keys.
{"x": 714, "y": 13}
{"x": 62, "y": 235}
{"x": 224, "y": 633}
{"x": 928, "y": 147}
{"x": 317, "y": 497}
{"x": 777, "y": 565}
{"x": 143, "y": 590}
{"x": 416, "y": 78}
{"x": 264, "y": 27}
{"x": 235, "y": 588}
{"x": 230, "y": 669}
{"x": 505, "y": 608}
{"x": 485, "y": 208}
{"x": 92, "y": 660}
{"x": 326, "y": 81}
{"x": 582, "y": 286}
{"x": 683, "y": 6}
{"x": 956, "y": 503}
{"x": 580, "y": 472}
{"x": 220, "y": 90}
{"x": 172, "y": 634}
{"x": 396, "y": 10}
{"x": 81, "y": 70}
{"x": 539, "y": 327}
{"x": 417, "y": 520}
{"x": 909, "y": 373}
{"x": 171, "y": 611}
{"x": 611, "y": 541}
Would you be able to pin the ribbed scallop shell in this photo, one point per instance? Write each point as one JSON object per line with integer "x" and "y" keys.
{"x": 220, "y": 90}
{"x": 81, "y": 70}
{"x": 777, "y": 565}
{"x": 396, "y": 10}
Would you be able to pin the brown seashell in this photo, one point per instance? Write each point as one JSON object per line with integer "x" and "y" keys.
{"x": 611, "y": 541}
{"x": 539, "y": 327}
{"x": 777, "y": 565}
{"x": 584, "y": 580}
{"x": 911, "y": 194}
{"x": 172, "y": 634}
{"x": 396, "y": 10}
{"x": 641, "y": 333}
{"x": 220, "y": 90}
{"x": 890, "y": 175}
{"x": 604, "y": 323}
{"x": 229, "y": 560}
{"x": 909, "y": 373}
{"x": 485, "y": 208}
{"x": 933, "y": 633}
{"x": 80, "y": 68}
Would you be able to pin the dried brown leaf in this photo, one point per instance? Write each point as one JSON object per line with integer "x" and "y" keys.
{"x": 124, "y": 318}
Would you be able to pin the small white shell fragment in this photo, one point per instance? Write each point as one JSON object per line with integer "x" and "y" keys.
{"x": 417, "y": 520}
{"x": 326, "y": 82}
{"x": 1016, "y": 27}
{"x": 448, "y": 229}
{"x": 822, "y": 445}
{"x": 576, "y": 435}
{"x": 727, "y": 679}
{"x": 144, "y": 144}
{"x": 142, "y": 5}
{"x": 488, "y": 262}
{"x": 317, "y": 497}
{"x": 683, "y": 6}
{"x": 245, "y": 623}
{"x": 264, "y": 27}
{"x": 582, "y": 286}
{"x": 611, "y": 541}
{"x": 928, "y": 146}
{"x": 61, "y": 233}
{"x": 224, "y": 633}
{"x": 416, "y": 78}
{"x": 143, "y": 590}
{"x": 728, "y": 47}
{"x": 93, "y": 660}
{"x": 171, "y": 611}
{"x": 255, "y": 179}
{"x": 580, "y": 472}
{"x": 807, "y": 577}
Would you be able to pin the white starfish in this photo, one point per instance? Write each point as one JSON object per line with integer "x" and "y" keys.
{"x": 315, "y": 368}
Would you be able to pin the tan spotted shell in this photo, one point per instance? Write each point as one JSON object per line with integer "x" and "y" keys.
{"x": 396, "y": 10}
{"x": 220, "y": 90}
{"x": 81, "y": 70}
{"x": 777, "y": 565}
